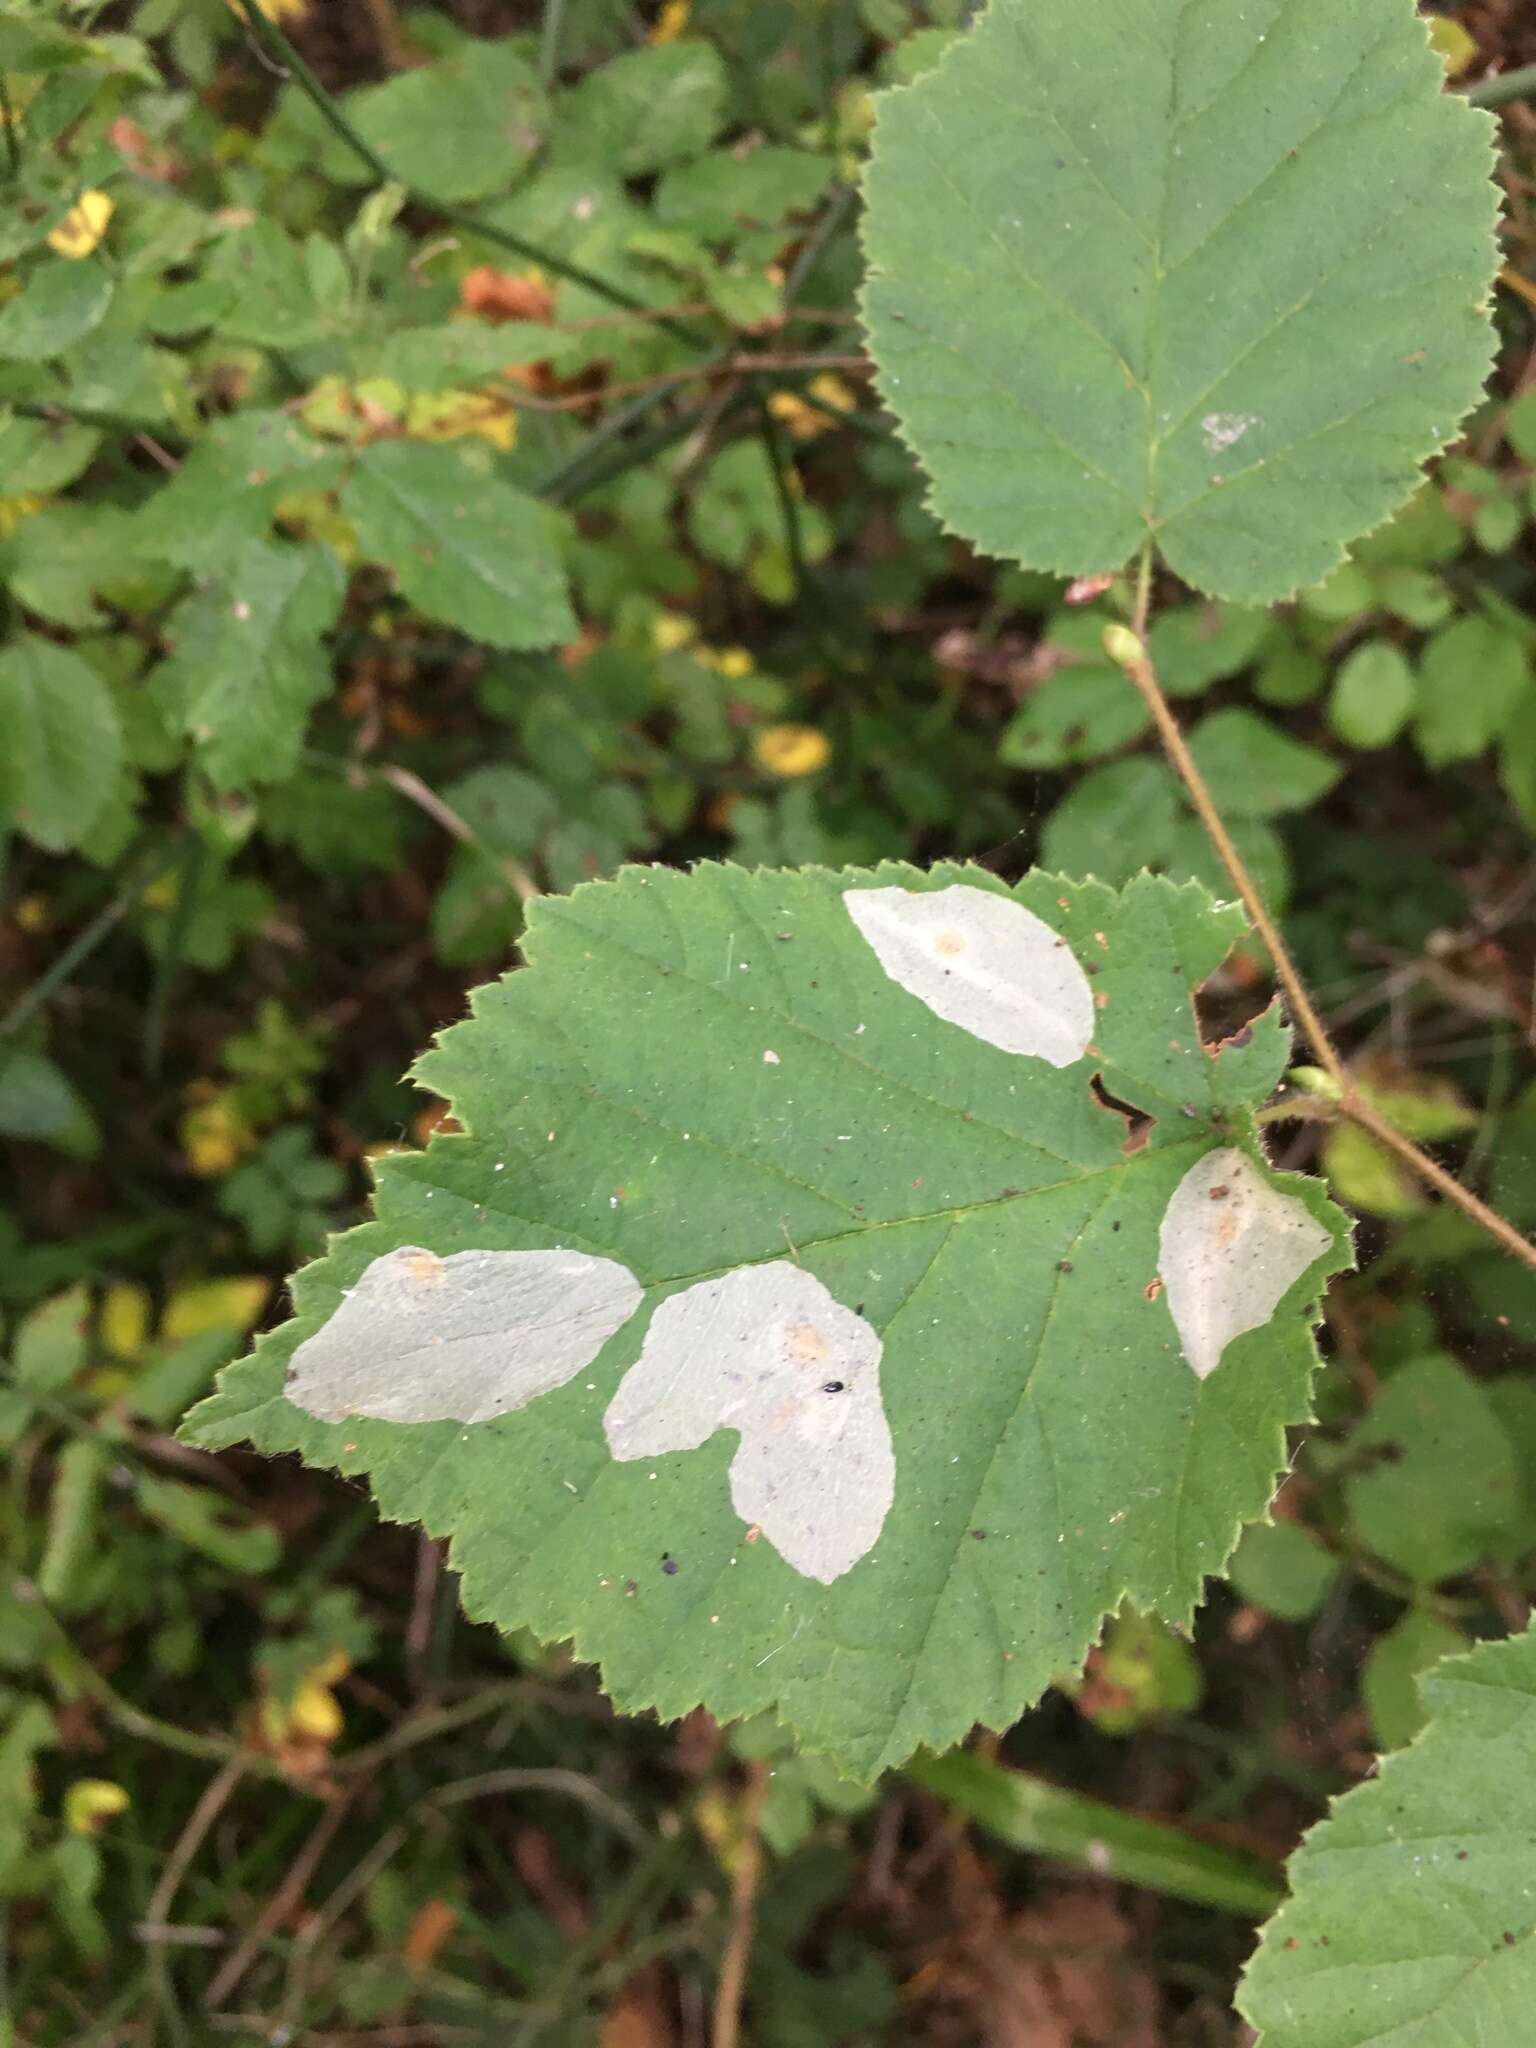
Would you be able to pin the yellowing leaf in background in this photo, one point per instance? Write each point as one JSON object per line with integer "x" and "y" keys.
{"x": 89, "y": 1803}
{"x": 232, "y": 1303}
{"x": 124, "y": 1321}
{"x": 671, "y": 22}
{"x": 215, "y": 1136}
{"x": 81, "y": 229}
{"x": 792, "y": 750}
{"x": 1454, "y": 43}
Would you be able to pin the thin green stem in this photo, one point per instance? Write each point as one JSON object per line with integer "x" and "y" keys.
{"x": 563, "y": 481}
{"x": 277, "y": 48}
{"x": 813, "y": 248}
{"x": 549, "y": 39}
{"x": 8, "y": 120}
{"x": 578, "y": 477}
{"x": 783, "y": 483}
{"x": 77, "y": 952}
{"x": 194, "y": 866}
{"x": 1509, "y": 85}
{"x": 53, "y": 410}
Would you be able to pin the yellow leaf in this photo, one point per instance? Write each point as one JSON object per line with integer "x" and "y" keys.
{"x": 32, "y": 914}
{"x": 89, "y": 1803}
{"x": 671, "y": 631}
{"x": 284, "y": 10}
{"x": 82, "y": 228}
{"x": 672, "y": 21}
{"x": 215, "y": 1136}
{"x": 1454, "y": 44}
{"x": 125, "y": 1318}
{"x": 314, "y": 515}
{"x": 806, "y": 421}
{"x": 315, "y": 1711}
{"x": 791, "y": 751}
{"x": 233, "y": 1303}
{"x": 452, "y": 415}
{"x": 14, "y": 510}
{"x": 731, "y": 662}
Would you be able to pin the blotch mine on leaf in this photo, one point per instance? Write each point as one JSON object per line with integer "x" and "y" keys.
{"x": 1230, "y": 1248}
{"x": 767, "y": 1351}
{"x": 984, "y": 962}
{"x": 424, "y": 1339}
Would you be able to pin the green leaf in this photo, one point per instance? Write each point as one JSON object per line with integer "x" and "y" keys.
{"x": 462, "y": 128}
{"x": 42, "y": 456}
{"x": 1188, "y": 319}
{"x": 1411, "y": 1918}
{"x": 723, "y": 193}
{"x": 645, "y": 110}
{"x": 60, "y": 560}
{"x": 467, "y": 549}
{"x": 1079, "y": 714}
{"x": 1397, "y": 1660}
{"x": 39, "y": 1101}
{"x": 1284, "y": 1569}
{"x": 1048, "y": 1820}
{"x": 59, "y": 305}
{"x": 248, "y": 662}
{"x": 228, "y": 488}
{"x": 1114, "y": 821}
{"x": 63, "y": 743}
{"x": 1435, "y": 1486}
{"x": 1372, "y": 696}
{"x": 264, "y": 289}
{"x": 1472, "y": 676}
{"x": 1196, "y": 645}
{"x": 1256, "y": 770}
{"x": 710, "y": 1081}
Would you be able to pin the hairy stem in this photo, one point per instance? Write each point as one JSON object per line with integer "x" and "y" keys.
{"x": 745, "y": 1880}
{"x": 1130, "y": 651}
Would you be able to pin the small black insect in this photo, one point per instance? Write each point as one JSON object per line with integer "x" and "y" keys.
{"x": 834, "y": 1386}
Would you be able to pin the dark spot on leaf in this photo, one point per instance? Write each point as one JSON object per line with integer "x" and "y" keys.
{"x": 834, "y": 1386}
{"x": 1063, "y": 1265}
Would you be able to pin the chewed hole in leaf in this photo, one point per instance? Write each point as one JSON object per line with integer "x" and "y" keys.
{"x": 479, "y": 1334}
{"x": 767, "y": 1351}
{"x": 1139, "y": 1126}
{"x": 984, "y": 962}
{"x": 1230, "y": 1249}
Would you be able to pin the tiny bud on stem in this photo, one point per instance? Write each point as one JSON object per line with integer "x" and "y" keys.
{"x": 1124, "y": 647}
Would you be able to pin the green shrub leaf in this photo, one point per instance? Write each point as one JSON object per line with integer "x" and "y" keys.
{"x": 466, "y": 549}
{"x": 1102, "y": 241}
{"x": 1411, "y": 1915}
{"x": 249, "y": 662}
{"x": 877, "y": 1360}
{"x": 462, "y": 128}
{"x": 62, "y": 747}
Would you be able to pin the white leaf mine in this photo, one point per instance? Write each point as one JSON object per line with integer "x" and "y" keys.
{"x": 984, "y": 962}
{"x": 478, "y": 1334}
{"x": 768, "y": 1352}
{"x": 1231, "y": 1247}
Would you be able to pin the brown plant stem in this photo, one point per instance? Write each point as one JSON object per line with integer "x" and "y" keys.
{"x": 1132, "y": 655}
{"x": 745, "y": 1880}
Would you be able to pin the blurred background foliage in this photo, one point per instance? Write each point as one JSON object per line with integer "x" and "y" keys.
{"x": 296, "y": 466}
